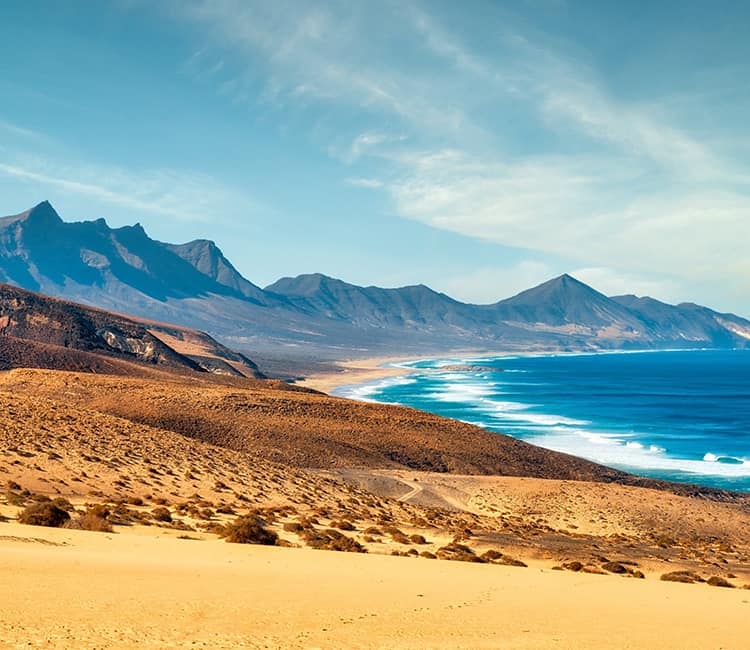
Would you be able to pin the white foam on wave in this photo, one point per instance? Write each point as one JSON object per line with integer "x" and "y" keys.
{"x": 555, "y": 432}
{"x": 609, "y": 449}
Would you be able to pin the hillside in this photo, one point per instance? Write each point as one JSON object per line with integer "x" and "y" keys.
{"x": 195, "y": 286}
{"x": 39, "y": 331}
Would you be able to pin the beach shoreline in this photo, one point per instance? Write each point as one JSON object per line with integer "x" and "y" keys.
{"x": 357, "y": 372}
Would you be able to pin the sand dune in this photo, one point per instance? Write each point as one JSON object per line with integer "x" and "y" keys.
{"x": 116, "y": 591}
{"x": 199, "y": 447}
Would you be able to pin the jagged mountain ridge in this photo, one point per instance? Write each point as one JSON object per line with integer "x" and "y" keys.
{"x": 194, "y": 285}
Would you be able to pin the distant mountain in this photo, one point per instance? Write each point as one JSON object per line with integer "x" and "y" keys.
{"x": 687, "y": 322}
{"x": 195, "y": 286}
{"x": 414, "y": 306}
{"x": 206, "y": 258}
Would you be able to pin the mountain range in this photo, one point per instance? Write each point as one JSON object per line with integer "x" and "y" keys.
{"x": 196, "y": 286}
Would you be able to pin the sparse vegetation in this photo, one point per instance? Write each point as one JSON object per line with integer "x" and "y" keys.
{"x": 45, "y": 513}
{"x": 682, "y": 576}
{"x": 332, "y": 540}
{"x": 161, "y": 514}
{"x": 249, "y": 529}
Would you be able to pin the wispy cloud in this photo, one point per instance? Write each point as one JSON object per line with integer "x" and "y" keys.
{"x": 520, "y": 141}
{"x": 16, "y": 130}
{"x": 367, "y": 183}
{"x": 175, "y": 194}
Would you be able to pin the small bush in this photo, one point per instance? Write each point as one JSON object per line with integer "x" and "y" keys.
{"x": 161, "y": 514}
{"x": 392, "y": 530}
{"x": 249, "y": 529}
{"x": 459, "y": 552}
{"x": 332, "y": 540}
{"x": 44, "y": 514}
{"x": 94, "y": 519}
{"x": 428, "y": 555}
{"x": 293, "y": 527}
{"x": 614, "y": 567}
{"x": 688, "y": 577}
{"x": 343, "y": 525}
{"x": 716, "y": 581}
{"x": 417, "y": 539}
{"x": 492, "y": 555}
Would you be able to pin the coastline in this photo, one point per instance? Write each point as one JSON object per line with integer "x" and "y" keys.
{"x": 357, "y": 372}
{"x": 718, "y": 469}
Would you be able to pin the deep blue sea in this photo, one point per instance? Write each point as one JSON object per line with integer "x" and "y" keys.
{"x": 682, "y": 416}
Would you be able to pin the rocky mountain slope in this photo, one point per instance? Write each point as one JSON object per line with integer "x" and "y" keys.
{"x": 195, "y": 286}
{"x": 39, "y": 331}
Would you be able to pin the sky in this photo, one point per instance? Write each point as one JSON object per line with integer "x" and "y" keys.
{"x": 478, "y": 147}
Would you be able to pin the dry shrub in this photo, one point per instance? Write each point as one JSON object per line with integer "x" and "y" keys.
{"x": 95, "y": 519}
{"x": 392, "y": 530}
{"x": 682, "y": 576}
{"x": 161, "y": 514}
{"x": 332, "y": 540}
{"x": 716, "y": 581}
{"x": 492, "y": 555}
{"x": 249, "y": 529}
{"x": 44, "y": 514}
{"x": 458, "y": 552}
{"x": 428, "y": 555}
{"x": 293, "y": 527}
{"x": 343, "y": 525}
{"x": 417, "y": 539}
{"x": 372, "y": 530}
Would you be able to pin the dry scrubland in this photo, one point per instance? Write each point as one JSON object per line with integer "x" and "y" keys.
{"x": 148, "y": 479}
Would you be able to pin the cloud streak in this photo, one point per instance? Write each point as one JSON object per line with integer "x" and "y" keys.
{"x": 515, "y": 137}
{"x": 178, "y": 195}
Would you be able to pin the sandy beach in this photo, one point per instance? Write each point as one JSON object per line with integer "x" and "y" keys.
{"x": 358, "y": 371}
{"x": 73, "y": 589}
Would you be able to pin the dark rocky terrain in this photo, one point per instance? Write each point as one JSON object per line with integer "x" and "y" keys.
{"x": 44, "y": 332}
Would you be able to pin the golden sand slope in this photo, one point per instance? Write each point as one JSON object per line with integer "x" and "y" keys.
{"x": 153, "y": 583}
{"x": 121, "y": 591}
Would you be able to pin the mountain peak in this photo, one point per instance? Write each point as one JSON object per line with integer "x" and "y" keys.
{"x": 42, "y": 214}
{"x": 306, "y": 284}
{"x": 564, "y": 300}
{"x": 205, "y": 256}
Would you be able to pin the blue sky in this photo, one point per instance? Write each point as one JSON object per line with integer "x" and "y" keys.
{"x": 479, "y": 147}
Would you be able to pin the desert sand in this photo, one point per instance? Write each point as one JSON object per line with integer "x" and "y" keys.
{"x": 73, "y": 589}
{"x": 521, "y": 560}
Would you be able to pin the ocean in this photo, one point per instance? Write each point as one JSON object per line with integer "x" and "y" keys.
{"x": 676, "y": 415}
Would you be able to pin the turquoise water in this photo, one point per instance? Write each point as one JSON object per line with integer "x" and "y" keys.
{"x": 677, "y": 415}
